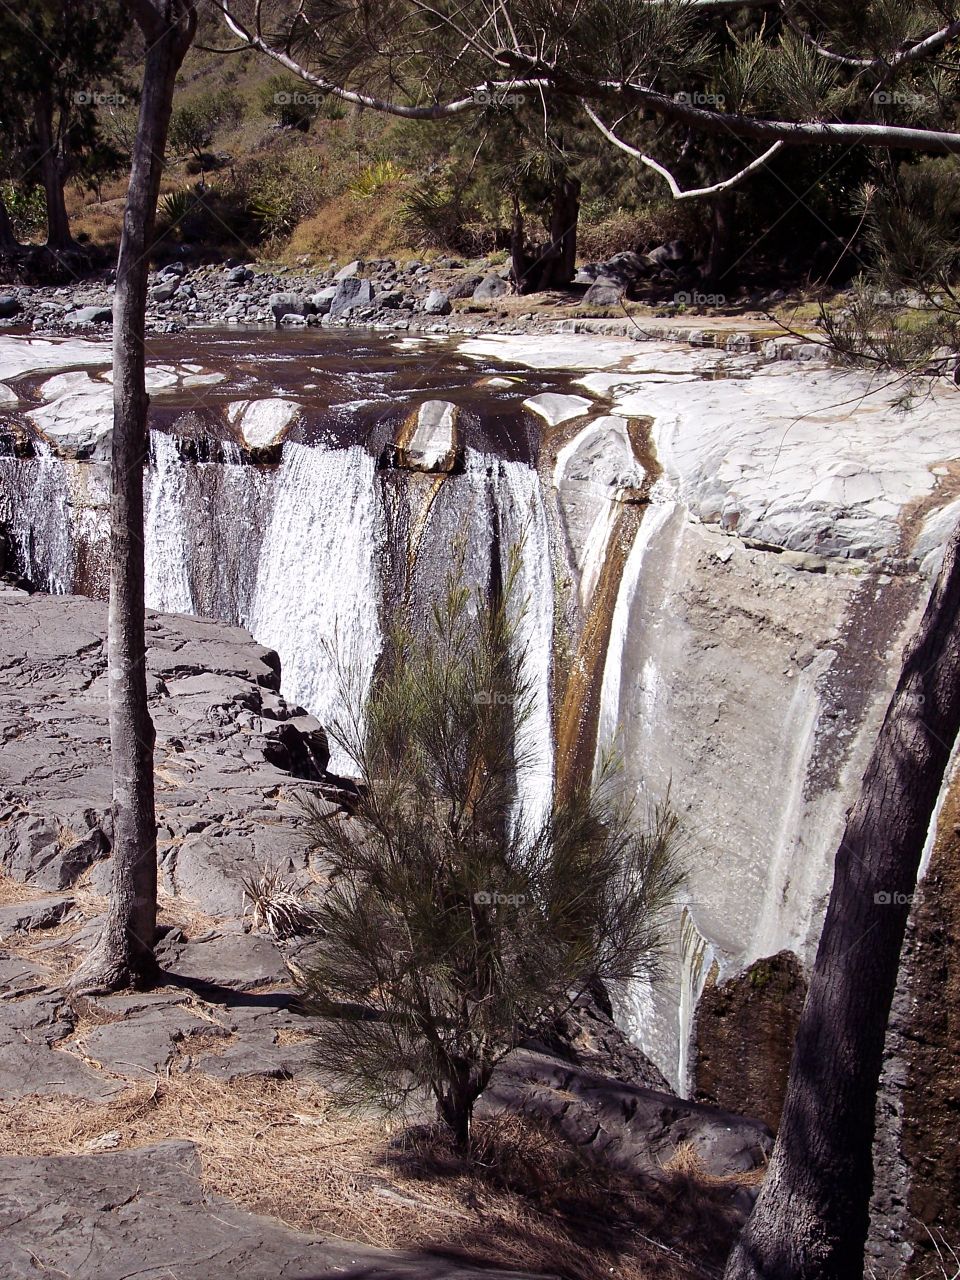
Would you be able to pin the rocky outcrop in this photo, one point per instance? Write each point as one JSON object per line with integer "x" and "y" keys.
{"x": 744, "y": 1035}
{"x": 144, "y": 1212}
{"x": 230, "y": 751}
{"x": 427, "y": 440}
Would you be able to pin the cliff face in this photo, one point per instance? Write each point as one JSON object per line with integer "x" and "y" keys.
{"x": 721, "y": 558}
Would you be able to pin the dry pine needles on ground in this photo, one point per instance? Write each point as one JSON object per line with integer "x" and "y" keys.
{"x": 526, "y": 1200}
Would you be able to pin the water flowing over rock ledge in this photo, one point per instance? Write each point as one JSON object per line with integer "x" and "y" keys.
{"x": 722, "y": 558}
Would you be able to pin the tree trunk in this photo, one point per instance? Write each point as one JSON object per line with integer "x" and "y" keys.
{"x": 810, "y": 1221}
{"x": 455, "y": 1104}
{"x": 8, "y": 239}
{"x": 124, "y": 954}
{"x": 51, "y": 175}
{"x": 721, "y": 256}
{"x": 519, "y": 259}
{"x": 564, "y": 215}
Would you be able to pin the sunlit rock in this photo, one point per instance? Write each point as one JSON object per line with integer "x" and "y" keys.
{"x": 262, "y": 422}
{"x": 554, "y": 408}
{"x": 594, "y": 471}
{"x": 428, "y": 440}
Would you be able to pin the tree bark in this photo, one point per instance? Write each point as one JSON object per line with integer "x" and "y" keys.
{"x": 8, "y": 239}
{"x": 723, "y": 240}
{"x": 124, "y": 954}
{"x": 811, "y": 1218}
{"x": 564, "y": 216}
{"x": 51, "y": 175}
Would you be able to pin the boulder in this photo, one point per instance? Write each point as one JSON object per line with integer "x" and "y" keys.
{"x": 437, "y": 303}
{"x": 350, "y": 270}
{"x": 464, "y": 287}
{"x": 604, "y": 293}
{"x": 290, "y": 304}
{"x": 351, "y": 293}
{"x": 89, "y": 315}
{"x": 669, "y": 254}
{"x": 491, "y": 287}
{"x": 239, "y": 275}
{"x": 323, "y": 298}
{"x": 163, "y": 292}
{"x": 9, "y": 306}
{"x": 428, "y": 440}
{"x": 389, "y": 299}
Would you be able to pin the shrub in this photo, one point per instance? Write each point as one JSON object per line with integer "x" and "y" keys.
{"x": 376, "y": 178}
{"x": 454, "y": 927}
{"x": 290, "y": 101}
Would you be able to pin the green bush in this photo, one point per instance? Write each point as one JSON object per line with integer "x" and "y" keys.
{"x": 290, "y": 101}
{"x": 26, "y": 207}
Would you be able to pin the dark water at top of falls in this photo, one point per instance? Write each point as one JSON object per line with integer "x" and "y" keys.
{"x": 352, "y": 386}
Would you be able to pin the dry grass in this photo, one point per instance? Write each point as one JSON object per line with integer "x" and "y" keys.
{"x": 15, "y": 891}
{"x": 347, "y": 227}
{"x": 686, "y": 1163}
{"x": 525, "y": 1200}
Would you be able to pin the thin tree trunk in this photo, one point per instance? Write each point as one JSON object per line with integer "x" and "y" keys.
{"x": 519, "y": 260}
{"x": 124, "y": 953}
{"x": 723, "y": 240}
{"x": 810, "y": 1221}
{"x": 8, "y": 239}
{"x": 51, "y": 175}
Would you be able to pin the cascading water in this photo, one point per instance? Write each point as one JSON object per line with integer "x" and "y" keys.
{"x": 42, "y": 523}
{"x": 317, "y": 594}
{"x": 166, "y": 549}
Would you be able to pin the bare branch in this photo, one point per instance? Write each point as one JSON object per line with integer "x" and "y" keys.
{"x": 676, "y": 191}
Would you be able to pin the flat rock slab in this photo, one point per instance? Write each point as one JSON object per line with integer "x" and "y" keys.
{"x": 42, "y": 913}
{"x": 234, "y": 960}
{"x": 144, "y": 1213}
{"x": 226, "y": 742}
{"x": 30, "y": 1061}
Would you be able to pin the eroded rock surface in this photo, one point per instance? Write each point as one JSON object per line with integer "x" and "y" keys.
{"x": 144, "y": 1213}
{"x": 225, "y": 803}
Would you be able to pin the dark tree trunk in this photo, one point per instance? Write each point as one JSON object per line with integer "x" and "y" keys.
{"x": 564, "y": 215}
{"x": 124, "y": 954}
{"x": 519, "y": 260}
{"x": 810, "y": 1221}
{"x": 722, "y": 254}
{"x": 8, "y": 239}
{"x": 554, "y": 265}
{"x": 50, "y": 168}
{"x": 455, "y": 1103}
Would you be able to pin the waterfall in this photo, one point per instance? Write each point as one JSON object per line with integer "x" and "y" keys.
{"x": 37, "y": 494}
{"x": 696, "y": 958}
{"x": 317, "y": 593}
{"x": 655, "y": 519}
{"x": 166, "y": 551}
{"x": 523, "y": 516}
